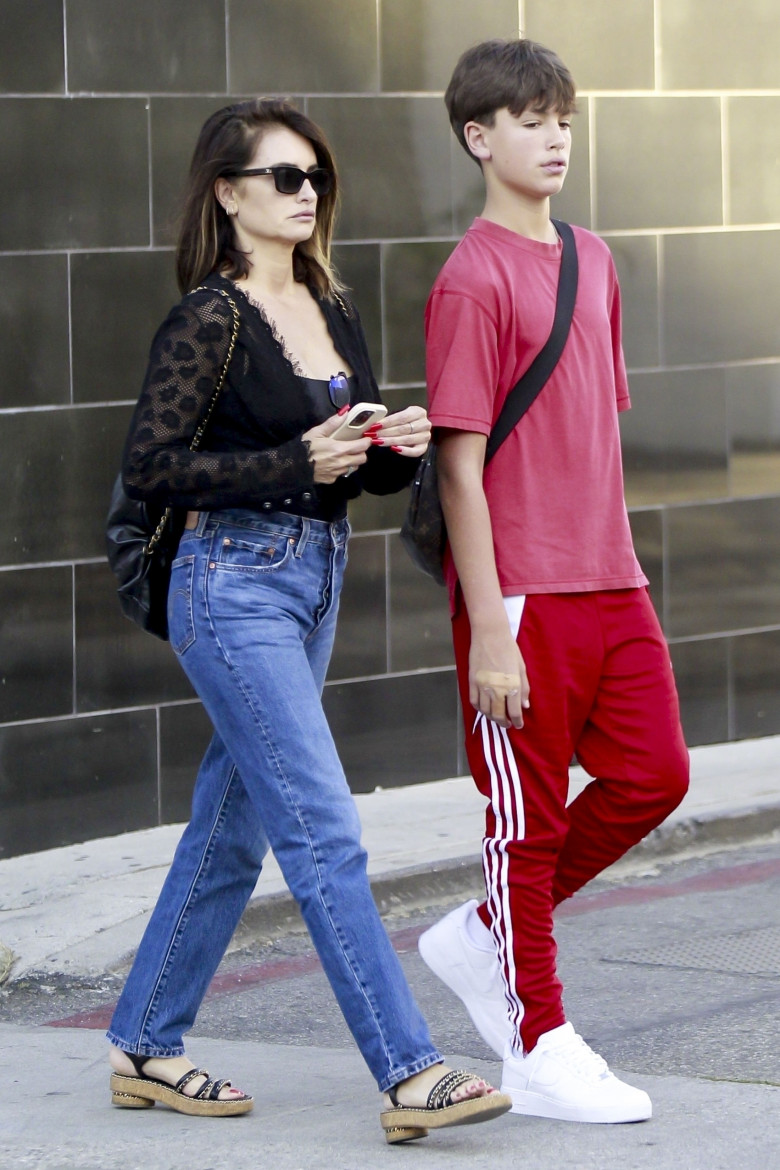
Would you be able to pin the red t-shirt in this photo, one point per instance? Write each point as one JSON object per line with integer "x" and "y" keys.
{"x": 555, "y": 486}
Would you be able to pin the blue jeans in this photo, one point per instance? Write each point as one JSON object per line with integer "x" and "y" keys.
{"x": 252, "y": 614}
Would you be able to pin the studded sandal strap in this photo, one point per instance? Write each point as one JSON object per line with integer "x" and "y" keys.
{"x": 182, "y": 1082}
{"x": 440, "y": 1095}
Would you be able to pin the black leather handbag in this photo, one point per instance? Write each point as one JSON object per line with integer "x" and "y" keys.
{"x": 423, "y": 531}
{"x": 141, "y": 540}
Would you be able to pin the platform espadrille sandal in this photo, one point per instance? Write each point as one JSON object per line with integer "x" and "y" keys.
{"x": 404, "y": 1123}
{"x": 141, "y": 1092}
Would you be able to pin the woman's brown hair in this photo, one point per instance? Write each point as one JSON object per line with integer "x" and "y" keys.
{"x": 227, "y": 143}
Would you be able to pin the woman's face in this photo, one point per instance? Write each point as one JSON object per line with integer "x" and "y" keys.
{"x": 263, "y": 213}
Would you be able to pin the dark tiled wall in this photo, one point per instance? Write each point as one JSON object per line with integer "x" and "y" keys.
{"x": 100, "y": 102}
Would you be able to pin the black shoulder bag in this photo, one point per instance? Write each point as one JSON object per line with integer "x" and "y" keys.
{"x": 423, "y": 531}
{"x": 141, "y": 543}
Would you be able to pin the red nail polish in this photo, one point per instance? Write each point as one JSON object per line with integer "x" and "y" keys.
{"x": 377, "y": 442}
{"x": 396, "y": 448}
{"x": 344, "y": 409}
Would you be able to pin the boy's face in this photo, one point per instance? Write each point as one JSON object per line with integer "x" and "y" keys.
{"x": 526, "y": 153}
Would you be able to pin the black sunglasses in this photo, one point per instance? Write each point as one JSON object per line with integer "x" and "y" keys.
{"x": 289, "y": 180}
{"x": 338, "y": 390}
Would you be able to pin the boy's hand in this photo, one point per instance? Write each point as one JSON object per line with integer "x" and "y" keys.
{"x": 501, "y": 695}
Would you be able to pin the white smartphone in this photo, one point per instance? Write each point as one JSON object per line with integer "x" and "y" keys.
{"x": 359, "y": 418}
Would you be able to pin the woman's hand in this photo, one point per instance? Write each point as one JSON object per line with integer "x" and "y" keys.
{"x": 334, "y": 457}
{"x": 407, "y": 431}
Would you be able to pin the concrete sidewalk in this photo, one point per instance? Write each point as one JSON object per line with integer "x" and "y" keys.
{"x": 81, "y": 909}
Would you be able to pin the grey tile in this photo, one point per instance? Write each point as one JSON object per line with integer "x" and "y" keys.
{"x": 358, "y": 266}
{"x": 175, "y": 124}
{"x": 753, "y": 167}
{"x": 185, "y": 733}
{"x": 395, "y": 731}
{"x": 421, "y": 40}
{"x": 420, "y": 627}
{"x": 724, "y": 567}
{"x": 409, "y": 273}
{"x": 36, "y": 643}
{"x": 393, "y": 154}
{"x": 34, "y": 362}
{"x": 70, "y": 780}
{"x": 59, "y": 466}
{"x": 647, "y": 531}
{"x": 361, "y": 637}
{"x": 88, "y": 188}
{"x": 146, "y": 47}
{"x": 118, "y": 300}
{"x": 32, "y": 54}
{"x": 719, "y": 298}
{"x": 606, "y": 45}
{"x": 636, "y": 261}
{"x": 675, "y": 437}
{"x": 117, "y": 664}
{"x": 645, "y": 159}
{"x": 756, "y": 693}
{"x": 737, "y": 50}
{"x": 753, "y": 397}
{"x": 279, "y": 46}
{"x": 702, "y": 673}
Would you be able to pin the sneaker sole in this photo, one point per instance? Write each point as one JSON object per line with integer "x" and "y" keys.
{"x": 536, "y": 1105}
{"x": 482, "y": 1020}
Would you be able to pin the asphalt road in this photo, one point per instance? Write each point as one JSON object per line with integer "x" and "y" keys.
{"x": 675, "y": 972}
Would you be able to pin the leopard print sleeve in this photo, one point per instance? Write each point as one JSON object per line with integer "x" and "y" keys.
{"x": 186, "y": 358}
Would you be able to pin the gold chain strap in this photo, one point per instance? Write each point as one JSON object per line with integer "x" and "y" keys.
{"x": 198, "y": 438}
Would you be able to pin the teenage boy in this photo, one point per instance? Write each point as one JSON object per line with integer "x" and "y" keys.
{"x": 557, "y": 647}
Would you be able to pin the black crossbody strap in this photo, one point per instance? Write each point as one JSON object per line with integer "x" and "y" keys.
{"x": 533, "y": 380}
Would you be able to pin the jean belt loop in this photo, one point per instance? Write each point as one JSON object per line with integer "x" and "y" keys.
{"x": 203, "y": 519}
{"x": 305, "y": 531}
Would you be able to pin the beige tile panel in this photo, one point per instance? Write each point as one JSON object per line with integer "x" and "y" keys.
{"x": 421, "y": 40}
{"x": 753, "y": 159}
{"x": 719, "y": 297}
{"x": 708, "y": 45}
{"x": 636, "y": 261}
{"x": 674, "y": 437}
{"x": 279, "y": 46}
{"x": 607, "y": 44}
{"x": 658, "y": 162}
{"x": 394, "y": 156}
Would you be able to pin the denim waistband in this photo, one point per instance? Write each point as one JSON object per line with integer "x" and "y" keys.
{"x": 286, "y": 523}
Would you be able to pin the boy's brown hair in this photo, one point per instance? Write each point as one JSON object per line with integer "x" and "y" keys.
{"x": 513, "y": 75}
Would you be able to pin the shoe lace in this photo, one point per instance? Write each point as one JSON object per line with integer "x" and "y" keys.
{"x": 581, "y": 1058}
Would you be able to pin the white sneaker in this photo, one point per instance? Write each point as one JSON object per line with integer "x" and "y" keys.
{"x": 565, "y": 1079}
{"x": 471, "y": 972}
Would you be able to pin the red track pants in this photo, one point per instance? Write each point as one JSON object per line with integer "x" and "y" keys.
{"x": 602, "y": 689}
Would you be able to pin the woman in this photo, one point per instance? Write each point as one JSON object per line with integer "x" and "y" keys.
{"x": 252, "y": 610}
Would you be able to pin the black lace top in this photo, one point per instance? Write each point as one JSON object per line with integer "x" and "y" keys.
{"x": 252, "y": 454}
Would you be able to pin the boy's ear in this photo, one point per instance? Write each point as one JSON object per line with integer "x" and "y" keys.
{"x": 474, "y": 134}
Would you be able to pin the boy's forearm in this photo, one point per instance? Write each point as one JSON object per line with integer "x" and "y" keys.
{"x": 470, "y": 537}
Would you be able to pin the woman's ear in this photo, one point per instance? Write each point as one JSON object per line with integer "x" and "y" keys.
{"x": 225, "y": 194}
{"x": 474, "y": 134}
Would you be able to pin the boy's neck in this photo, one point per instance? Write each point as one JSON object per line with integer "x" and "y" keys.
{"x": 530, "y": 219}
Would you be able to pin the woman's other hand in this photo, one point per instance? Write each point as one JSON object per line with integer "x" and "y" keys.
{"x": 334, "y": 457}
{"x": 407, "y": 431}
